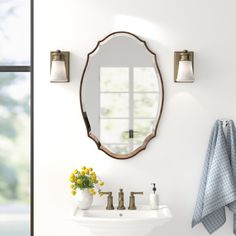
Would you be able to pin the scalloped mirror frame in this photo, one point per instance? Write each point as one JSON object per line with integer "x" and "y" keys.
{"x": 89, "y": 133}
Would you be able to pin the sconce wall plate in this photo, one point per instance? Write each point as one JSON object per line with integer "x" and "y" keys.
{"x": 177, "y": 59}
{"x": 61, "y": 56}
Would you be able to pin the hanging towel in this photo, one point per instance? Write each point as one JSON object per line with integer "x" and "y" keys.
{"x": 231, "y": 143}
{"x": 217, "y": 186}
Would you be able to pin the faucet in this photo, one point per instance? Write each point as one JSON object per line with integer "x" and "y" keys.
{"x": 109, "y": 200}
{"x": 121, "y": 200}
{"x": 132, "y": 200}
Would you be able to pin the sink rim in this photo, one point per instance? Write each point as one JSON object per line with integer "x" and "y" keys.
{"x": 140, "y": 208}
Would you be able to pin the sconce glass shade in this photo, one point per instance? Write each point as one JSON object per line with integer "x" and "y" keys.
{"x": 183, "y": 66}
{"x": 58, "y": 71}
{"x": 185, "y": 72}
{"x": 59, "y": 66}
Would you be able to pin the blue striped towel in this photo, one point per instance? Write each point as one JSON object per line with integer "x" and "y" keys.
{"x": 218, "y": 183}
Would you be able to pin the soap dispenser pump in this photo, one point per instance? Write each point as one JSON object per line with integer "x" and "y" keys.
{"x": 154, "y": 198}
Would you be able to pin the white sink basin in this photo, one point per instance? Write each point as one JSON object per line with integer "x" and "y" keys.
{"x": 121, "y": 222}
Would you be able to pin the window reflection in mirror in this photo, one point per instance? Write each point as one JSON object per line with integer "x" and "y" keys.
{"x": 128, "y": 101}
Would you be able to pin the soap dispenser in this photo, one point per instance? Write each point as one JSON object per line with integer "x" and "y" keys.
{"x": 154, "y": 198}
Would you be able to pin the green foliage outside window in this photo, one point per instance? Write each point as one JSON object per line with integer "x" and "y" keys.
{"x": 14, "y": 138}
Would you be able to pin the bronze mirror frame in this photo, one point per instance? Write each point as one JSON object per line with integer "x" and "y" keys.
{"x": 89, "y": 133}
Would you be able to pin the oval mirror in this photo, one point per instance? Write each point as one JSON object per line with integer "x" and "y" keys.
{"x": 121, "y": 95}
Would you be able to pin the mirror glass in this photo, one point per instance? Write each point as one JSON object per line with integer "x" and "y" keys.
{"x": 121, "y": 95}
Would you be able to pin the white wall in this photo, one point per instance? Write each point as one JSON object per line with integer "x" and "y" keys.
{"x": 175, "y": 157}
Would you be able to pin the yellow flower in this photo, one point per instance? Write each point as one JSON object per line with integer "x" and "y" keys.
{"x": 86, "y": 171}
{"x": 72, "y": 185}
{"x": 93, "y": 173}
{"x": 93, "y": 177}
{"x": 90, "y": 169}
{"x": 82, "y": 173}
{"x": 101, "y": 183}
{"x": 73, "y": 192}
{"x": 78, "y": 181}
{"x": 84, "y": 167}
{"x": 72, "y": 178}
{"x": 76, "y": 171}
{"x": 92, "y": 191}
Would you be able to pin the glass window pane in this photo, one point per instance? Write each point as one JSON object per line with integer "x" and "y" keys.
{"x": 15, "y": 32}
{"x": 14, "y": 153}
{"x": 114, "y": 130}
{"x": 142, "y": 128}
{"x": 145, "y": 79}
{"x": 146, "y": 104}
{"x": 114, "y": 79}
{"x": 114, "y": 105}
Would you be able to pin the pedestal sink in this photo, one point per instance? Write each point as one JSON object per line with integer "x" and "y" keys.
{"x": 138, "y": 222}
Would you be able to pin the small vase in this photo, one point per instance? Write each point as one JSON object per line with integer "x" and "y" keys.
{"x": 84, "y": 199}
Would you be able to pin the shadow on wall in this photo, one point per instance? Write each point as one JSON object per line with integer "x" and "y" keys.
{"x": 142, "y": 27}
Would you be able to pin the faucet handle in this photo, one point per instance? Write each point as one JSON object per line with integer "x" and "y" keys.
{"x": 109, "y": 200}
{"x": 108, "y": 193}
{"x": 132, "y": 200}
{"x": 133, "y": 193}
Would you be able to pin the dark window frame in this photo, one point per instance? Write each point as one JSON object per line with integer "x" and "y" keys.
{"x": 30, "y": 69}
{"x": 15, "y": 69}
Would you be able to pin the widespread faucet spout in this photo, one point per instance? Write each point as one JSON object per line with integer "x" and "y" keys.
{"x": 121, "y": 205}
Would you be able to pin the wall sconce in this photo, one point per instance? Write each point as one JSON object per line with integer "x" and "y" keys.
{"x": 183, "y": 67}
{"x": 60, "y": 62}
